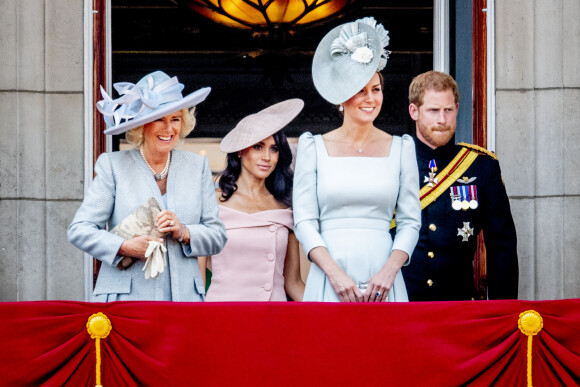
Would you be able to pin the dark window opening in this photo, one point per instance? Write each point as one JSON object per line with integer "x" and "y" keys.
{"x": 247, "y": 74}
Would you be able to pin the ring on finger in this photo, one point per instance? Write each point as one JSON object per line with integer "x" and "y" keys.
{"x": 377, "y": 294}
{"x": 171, "y": 223}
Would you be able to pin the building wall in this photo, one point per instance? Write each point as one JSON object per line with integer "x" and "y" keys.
{"x": 41, "y": 148}
{"x": 538, "y": 138}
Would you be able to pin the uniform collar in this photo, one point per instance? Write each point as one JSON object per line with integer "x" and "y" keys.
{"x": 443, "y": 152}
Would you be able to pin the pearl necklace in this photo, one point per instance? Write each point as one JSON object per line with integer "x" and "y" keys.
{"x": 163, "y": 174}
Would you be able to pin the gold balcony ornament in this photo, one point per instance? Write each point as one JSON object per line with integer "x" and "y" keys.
{"x": 263, "y": 16}
{"x": 99, "y": 326}
{"x": 530, "y": 324}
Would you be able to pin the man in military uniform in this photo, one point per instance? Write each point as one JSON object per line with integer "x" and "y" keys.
{"x": 462, "y": 194}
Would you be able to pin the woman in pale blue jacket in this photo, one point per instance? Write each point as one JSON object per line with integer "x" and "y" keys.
{"x": 155, "y": 116}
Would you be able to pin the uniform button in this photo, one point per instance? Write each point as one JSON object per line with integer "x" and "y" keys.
{"x": 272, "y": 228}
{"x": 432, "y": 227}
{"x": 271, "y": 257}
{"x": 268, "y": 287}
{"x": 431, "y": 254}
{"x": 430, "y": 282}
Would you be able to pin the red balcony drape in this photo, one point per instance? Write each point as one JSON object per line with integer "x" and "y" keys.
{"x": 180, "y": 344}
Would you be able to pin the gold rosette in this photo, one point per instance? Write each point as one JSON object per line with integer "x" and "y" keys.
{"x": 530, "y": 324}
{"x": 98, "y": 326}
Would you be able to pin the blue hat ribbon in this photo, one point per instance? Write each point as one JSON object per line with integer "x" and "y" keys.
{"x": 137, "y": 99}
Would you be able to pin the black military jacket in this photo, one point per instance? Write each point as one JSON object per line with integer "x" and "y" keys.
{"x": 441, "y": 266}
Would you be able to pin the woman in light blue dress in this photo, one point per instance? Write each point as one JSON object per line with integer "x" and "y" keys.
{"x": 349, "y": 182}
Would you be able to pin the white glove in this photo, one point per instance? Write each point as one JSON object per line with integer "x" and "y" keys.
{"x": 156, "y": 259}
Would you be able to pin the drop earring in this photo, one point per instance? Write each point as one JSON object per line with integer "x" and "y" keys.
{"x": 340, "y": 108}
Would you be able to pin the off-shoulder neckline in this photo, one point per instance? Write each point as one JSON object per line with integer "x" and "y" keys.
{"x": 255, "y": 213}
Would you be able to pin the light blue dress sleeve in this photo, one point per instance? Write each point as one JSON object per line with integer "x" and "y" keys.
{"x": 87, "y": 230}
{"x": 304, "y": 197}
{"x": 208, "y": 237}
{"x": 408, "y": 208}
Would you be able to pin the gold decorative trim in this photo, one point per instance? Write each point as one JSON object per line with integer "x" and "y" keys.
{"x": 479, "y": 149}
{"x": 98, "y": 326}
{"x": 530, "y": 323}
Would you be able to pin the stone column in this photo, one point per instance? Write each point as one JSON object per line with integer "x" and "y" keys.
{"x": 538, "y": 140}
{"x": 41, "y": 148}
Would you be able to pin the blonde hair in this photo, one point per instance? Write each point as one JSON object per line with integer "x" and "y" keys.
{"x": 431, "y": 80}
{"x": 135, "y": 135}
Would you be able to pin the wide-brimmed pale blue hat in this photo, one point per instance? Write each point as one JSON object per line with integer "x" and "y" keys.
{"x": 347, "y": 58}
{"x": 154, "y": 96}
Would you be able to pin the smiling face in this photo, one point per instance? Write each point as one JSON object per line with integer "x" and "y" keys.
{"x": 162, "y": 134}
{"x": 364, "y": 106}
{"x": 436, "y": 118}
{"x": 259, "y": 160}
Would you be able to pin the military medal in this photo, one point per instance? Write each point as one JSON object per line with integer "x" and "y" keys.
{"x": 473, "y": 204}
{"x": 464, "y": 197}
{"x": 432, "y": 166}
{"x": 455, "y": 202}
{"x": 431, "y": 180}
{"x": 465, "y": 232}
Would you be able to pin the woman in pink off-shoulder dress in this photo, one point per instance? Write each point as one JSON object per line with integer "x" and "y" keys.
{"x": 260, "y": 261}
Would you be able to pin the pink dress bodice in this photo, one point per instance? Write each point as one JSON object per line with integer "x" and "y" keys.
{"x": 251, "y": 265}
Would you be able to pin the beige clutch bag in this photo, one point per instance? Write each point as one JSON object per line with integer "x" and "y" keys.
{"x": 139, "y": 222}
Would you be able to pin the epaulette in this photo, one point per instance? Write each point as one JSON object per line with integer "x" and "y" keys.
{"x": 479, "y": 149}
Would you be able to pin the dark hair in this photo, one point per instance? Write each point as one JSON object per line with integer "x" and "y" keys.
{"x": 279, "y": 183}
